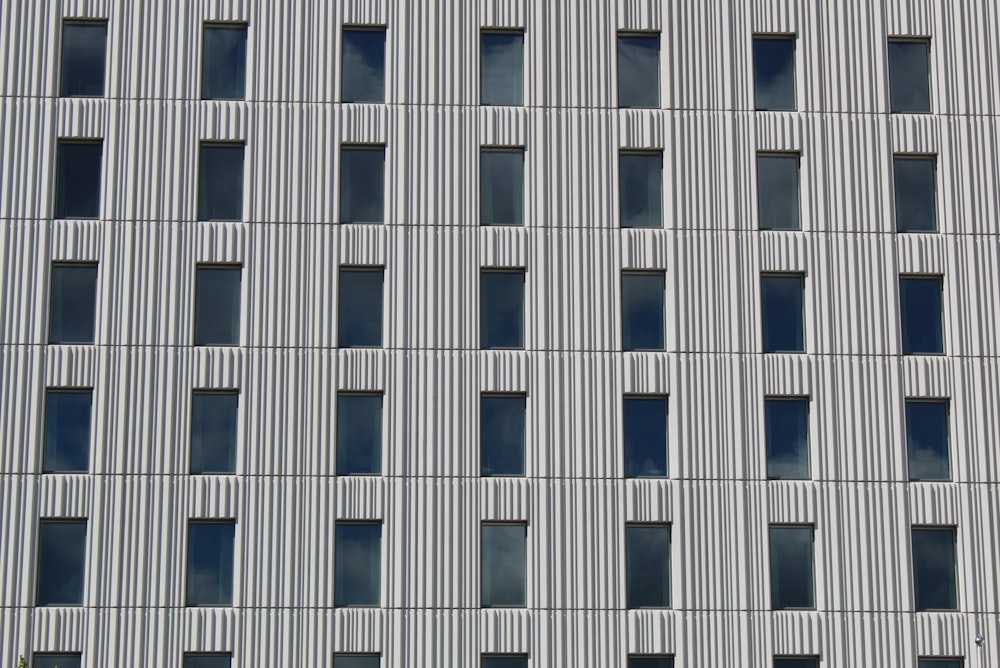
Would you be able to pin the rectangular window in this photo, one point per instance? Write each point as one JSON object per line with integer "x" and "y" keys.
{"x": 208, "y": 660}
{"x": 72, "y": 303}
{"x": 647, "y": 565}
{"x": 640, "y": 661}
{"x": 501, "y": 308}
{"x": 782, "y": 298}
{"x": 62, "y": 549}
{"x": 914, "y": 185}
{"x": 503, "y": 661}
{"x": 774, "y": 72}
{"x": 362, "y": 184}
{"x": 501, "y": 434}
{"x": 51, "y": 660}
{"x": 796, "y": 662}
{"x": 930, "y": 662}
{"x": 224, "y": 61}
{"x": 639, "y": 70}
{"x": 220, "y": 181}
{"x": 643, "y": 295}
{"x": 356, "y": 563}
{"x": 217, "y": 305}
{"x": 640, "y": 189}
{"x": 786, "y": 432}
{"x": 359, "y": 307}
{"x": 67, "y": 430}
{"x": 934, "y": 568}
{"x": 504, "y": 564}
{"x": 214, "y": 419}
{"x": 791, "y": 550}
{"x": 645, "y": 436}
{"x": 920, "y": 305}
{"x": 927, "y": 439}
{"x": 501, "y": 68}
{"x": 210, "y": 562}
{"x": 84, "y": 44}
{"x": 501, "y": 186}
{"x": 359, "y": 434}
{"x": 362, "y": 67}
{"x": 778, "y": 191}
{"x": 356, "y": 661}
{"x": 909, "y": 76}
{"x": 78, "y": 178}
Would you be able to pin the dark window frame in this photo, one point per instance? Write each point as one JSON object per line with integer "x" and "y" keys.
{"x": 48, "y": 312}
{"x": 792, "y": 37}
{"x": 372, "y": 147}
{"x": 361, "y": 393}
{"x": 362, "y": 268}
{"x": 812, "y": 566}
{"x": 630, "y": 656}
{"x": 216, "y": 655}
{"x": 789, "y": 154}
{"x": 502, "y": 148}
{"x": 803, "y": 277}
{"x": 651, "y": 152}
{"x": 953, "y": 529}
{"x": 926, "y": 40}
{"x": 948, "y": 424}
{"x": 491, "y": 30}
{"x": 64, "y": 389}
{"x": 221, "y": 143}
{"x": 521, "y": 271}
{"x": 661, "y": 273}
{"x": 649, "y": 396}
{"x": 84, "y": 571}
{"x": 942, "y": 316}
{"x": 219, "y": 521}
{"x": 524, "y": 436}
{"x": 207, "y": 25}
{"x": 380, "y": 523}
{"x": 527, "y": 551}
{"x": 936, "y": 660}
{"x": 82, "y": 21}
{"x": 194, "y": 317}
{"x": 916, "y": 157}
{"x": 362, "y": 27}
{"x": 636, "y": 32}
{"x": 58, "y": 654}
{"x": 803, "y": 398}
{"x": 63, "y": 141}
{"x": 223, "y": 391}
{"x": 795, "y": 657}
{"x": 671, "y": 593}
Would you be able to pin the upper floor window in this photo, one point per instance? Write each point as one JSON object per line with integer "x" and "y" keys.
{"x": 62, "y": 548}
{"x": 645, "y": 435}
{"x": 920, "y": 305}
{"x": 359, "y": 433}
{"x": 78, "y": 178}
{"x": 67, "y": 430}
{"x": 640, "y": 188}
{"x": 357, "y": 563}
{"x": 778, "y": 191}
{"x": 362, "y": 64}
{"x": 909, "y": 76}
{"x": 224, "y": 61}
{"x": 639, "y": 70}
{"x": 362, "y": 183}
{"x": 357, "y": 661}
{"x": 929, "y": 662}
{"x": 796, "y": 662}
{"x": 934, "y": 568}
{"x": 53, "y": 660}
{"x": 220, "y": 181}
{"x": 501, "y": 434}
{"x": 647, "y": 565}
{"x": 72, "y": 303}
{"x": 791, "y": 551}
{"x": 914, "y": 179}
{"x": 217, "y": 305}
{"x": 84, "y": 44}
{"x": 210, "y": 562}
{"x": 208, "y": 660}
{"x": 501, "y": 308}
{"x": 501, "y": 186}
{"x": 643, "y": 296}
{"x": 927, "y": 439}
{"x": 782, "y": 302}
{"x": 214, "y": 419}
{"x": 503, "y": 564}
{"x": 774, "y": 72}
{"x": 650, "y": 661}
{"x": 359, "y": 307}
{"x": 786, "y": 431}
{"x": 501, "y": 67}
{"x": 503, "y": 661}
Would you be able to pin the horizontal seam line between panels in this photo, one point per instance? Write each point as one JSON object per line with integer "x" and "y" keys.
{"x": 370, "y": 609}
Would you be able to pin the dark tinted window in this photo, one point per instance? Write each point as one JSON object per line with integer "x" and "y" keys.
{"x": 504, "y": 564}
{"x": 72, "y": 303}
{"x": 67, "y": 430}
{"x": 356, "y": 661}
{"x": 78, "y": 179}
{"x": 83, "y": 55}
{"x": 55, "y": 661}
{"x": 934, "y": 568}
{"x": 363, "y": 65}
{"x": 909, "y": 76}
{"x": 359, "y": 434}
{"x": 214, "y": 417}
{"x": 502, "y": 68}
{"x": 208, "y": 660}
{"x": 647, "y": 566}
{"x": 501, "y": 309}
{"x": 774, "y": 72}
{"x": 791, "y": 549}
{"x": 357, "y": 563}
{"x": 224, "y": 62}
{"x": 640, "y": 186}
{"x": 927, "y": 439}
{"x": 786, "y": 430}
{"x": 920, "y": 310}
{"x": 781, "y": 297}
{"x": 504, "y": 662}
{"x": 62, "y": 546}
{"x": 778, "y": 191}
{"x": 220, "y": 182}
{"x": 796, "y": 662}
{"x": 362, "y": 184}
{"x": 642, "y": 311}
{"x": 914, "y": 185}
{"x": 639, "y": 70}
{"x": 501, "y": 434}
{"x": 210, "y": 562}
{"x": 217, "y": 305}
{"x": 939, "y": 663}
{"x": 359, "y": 307}
{"x": 501, "y": 186}
{"x": 645, "y": 434}
{"x": 651, "y": 662}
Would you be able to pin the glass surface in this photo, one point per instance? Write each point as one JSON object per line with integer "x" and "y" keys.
{"x": 67, "y": 430}
{"x": 920, "y": 310}
{"x": 927, "y": 439}
{"x": 651, "y": 662}
{"x": 62, "y": 549}
{"x": 72, "y": 303}
{"x": 774, "y": 73}
{"x": 645, "y": 436}
{"x": 778, "y": 192}
{"x": 210, "y": 563}
{"x": 642, "y": 311}
{"x": 501, "y": 309}
{"x": 796, "y": 662}
{"x": 914, "y": 186}
{"x": 781, "y": 300}
{"x": 363, "y": 65}
{"x": 83, "y": 56}
{"x": 359, "y": 308}
{"x": 909, "y": 76}
{"x": 504, "y": 662}
{"x": 208, "y": 661}
{"x": 362, "y": 184}
{"x": 939, "y": 663}
{"x": 214, "y": 417}
{"x": 224, "y": 62}
{"x": 639, "y": 71}
{"x": 791, "y": 550}
{"x": 504, "y": 564}
{"x": 502, "y": 68}
{"x": 78, "y": 179}
{"x": 217, "y": 306}
{"x": 220, "y": 182}
{"x": 501, "y": 187}
{"x": 356, "y": 661}
{"x": 55, "y": 661}
{"x": 640, "y": 181}
{"x": 647, "y": 566}
{"x": 786, "y": 429}
{"x": 934, "y": 569}
{"x": 501, "y": 434}
{"x": 357, "y": 563}
{"x": 359, "y": 434}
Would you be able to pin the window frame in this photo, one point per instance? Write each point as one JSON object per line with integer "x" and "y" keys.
{"x": 81, "y": 21}
{"x": 372, "y": 147}
{"x": 923, "y": 661}
{"x": 787, "y": 155}
{"x": 382, "y": 432}
{"x": 217, "y": 391}
{"x": 363, "y": 27}
{"x": 658, "y": 34}
{"x": 503, "y": 655}
{"x": 629, "y": 657}
{"x": 359, "y": 269}
{"x": 669, "y": 605}
{"x": 498, "y": 148}
{"x": 57, "y": 654}
{"x": 792, "y": 37}
{"x": 795, "y": 657}
{"x": 84, "y": 571}
{"x": 230, "y": 25}
{"x": 942, "y": 528}
{"x": 57, "y": 176}
{"x": 812, "y": 564}
{"x": 663, "y": 313}
{"x": 523, "y": 273}
{"x": 524, "y": 436}
{"x": 218, "y": 521}
{"x": 356, "y": 655}
{"x": 803, "y": 277}
{"x": 651, "y": 152}
{"x": 482, "y": 554}
{"x": 499, "y": 30}
{"x": 194, "y": 316}
{"x": 381, "y": 562}
{"x": 790, "y": 398}
{"x": 218, "y": 655}
{"x": 943, "y": 321}
{"x": 948, "y": 426}
{"x": 48, "y": 313}
{"x": 66, "y": 389}
{"x": 927, "y": 40}
{"x": 916, "y": 157}
{"x": 651, "y": 397}
{"x": 221, "y": 143}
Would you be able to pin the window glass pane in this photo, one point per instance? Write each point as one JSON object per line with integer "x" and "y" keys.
{"x": 909, "y": 76}
{"x": 504, "y": 662}
{"x": 501, "y": 434}
{"x": 927, "y": 439}
{"x": 357, "y": 564}
{"x": 356, "y": 661}
{"x": 781, "y": 312}
{"x": 651, "y": 662}
{"x": 220, "y": 182}
{"x": 362, "y": 184}
{"x": 647, "y": 566}
{"x": 359, "y": 308}
{"x": 920, "y": 309}
{"x": 363, "y": 65}
{"x": 639, "y": 70}
{"x": 502, "y": 66}
{"x": 786, "y": 429}
{"x": 210, "y": 563}
{"x": 504, "y": 564}
{"x": 796, "y": 662}
{"x": 67, "y": 430}
{"x": 214, "y": 417}
{"x": 640, "y": 180}
{"x": 62, "y": 549}
{"x": 934, "y": 569}
{"x": 83, "y": 55}
{"x": 642, "y": 311}
{"x": 501, "y": 186}
{"x": 208, "y": 661}
{"x": 78, "y": 179}
{"x": 501, "y": 309}
{"x": 224, "y": 62}
{"x": 359, "y": 434}
{"x": 217, "y": 306}
{"x": 939, "y": 663}
{"x": 55, "y": 661}
{"x": 645, "y": 432}
{"x": 778, "y": 191}
{"x": 72, "y": 303}
{"x": 791, "y": 549}
{"x": 774, "y": 73}
{"x": 913, "y": 181}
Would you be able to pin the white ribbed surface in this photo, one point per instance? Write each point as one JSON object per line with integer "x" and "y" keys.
{"x": 431, "y": 500}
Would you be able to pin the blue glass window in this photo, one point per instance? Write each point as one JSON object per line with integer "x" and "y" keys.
{"x": 210, "y": 562}
{"x": 72, "y": 303}
{"x": 920, "y": 306}
{"x": 778, "y": 191}
{"x": 909, "y": 76}
{"x": 357, "y": 563}
{"x": 78, "y": 178}
{"x": 774, "y": 72}
{"x": 501, "y": 661}
{"x": 501, "y": 186}
{"x": 67, "y": 430}
{"x": 639, "y": 70}
{"x": 504, "y": 569}
{"x": 363, "y": 64}
{"x": 502, "y": 68}
{"x": 796, "y": 662}
{"x": 927, "y": 439}
{"x": 643, "y": 295}
{"x": 934, "y": 568}
{"x": 84, "y": 44}
{"x": 782, "y": 302}
{"x": 62, "y": 547}
{"x": 208, "y": 660}
{"x": 362, "y": 184}
{"x": 49, "y": 660}
{"x": 220, "y": 182}
{"x": 791, "y": 549}
{"x": 217, "y": 305}
{"x": 359, "y": 434}
{"x": 224, "y": 62}
{"x": 914, "y": 185}
{"x": 356, "y": 661}
{"x": 647, "y": 565}
{"x": 501, "y": 434}
{"x": 640, "y": 181}
{"x": 940, "y": 663}
{"x": 359, "y": 307}
{"x": 786, "y": 431}
{"x": 214, "y": 418}
{"x": 501, "y": 309}
{"x": 645, "y": 435}
{"x": 651, "y": 662}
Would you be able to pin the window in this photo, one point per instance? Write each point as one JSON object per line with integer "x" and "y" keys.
{"x": 778, "y": 191}
{"x": 504, "y": 557}
{"x": 786, "y": 432}
{"x": 639, "y": 70}
{"x": 501, "y": 67}
{"x": 72, "y": 303}
{"x": 645, "y": 436}
{"x": 224, "y": 61}
{"x": 909, "y": 76}
{"x": 210, "y": 562}
{"x": 796, "y": 662}
{"x": 914, "y": 185}
{"x": 220, "y": 182}
{"x": 217, "y": 305}
{"x": 359, "y": 307}
{"x": 501, "y": 308}
{"x": 208, "y": 660}
{"x": 501, "y": 186}
{"x": 791, "y": 549}
{"x": 62, "y": 547}
{"x": 501, "y": 434}
{"x": 782, "y": 299}
{"x": 774, "y": 72}
{"x": 357, "y": 563}
{"x": 83, "y": 55}
{"x": 78, "y": 178}
{"x": 356, "y": 660}
{"x": 363, "y": 64}
{"x": 934, "y": 568}
{"x": 647, "y": 565}
{"x": 503, "y": 661}
{"x": 927, "y": 439}
{"x": 640, "y": 661}
{"x": 640, "y": 188}
{"x": 49, "y": 660}
{"x": 920, "y": 309}
{"x": 642, "y": 310}
{"x": 67, "y": 430}
{"x": 359, "y": 434}
{"x": 214, "y": 417}
{"x": 939, "y": 663}
{"x": 362, "y": 184}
